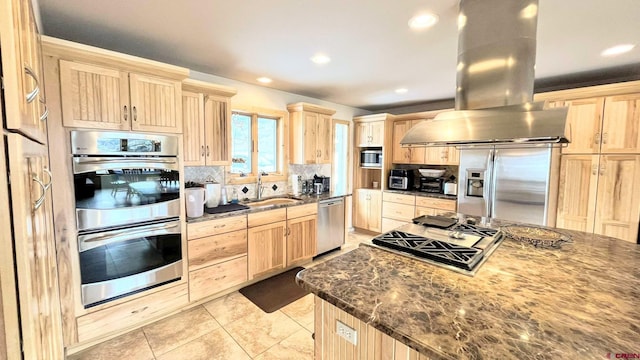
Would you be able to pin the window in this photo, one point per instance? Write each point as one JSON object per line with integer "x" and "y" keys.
{"x": 257, "y": 144}
{"x": 340, "y": 176}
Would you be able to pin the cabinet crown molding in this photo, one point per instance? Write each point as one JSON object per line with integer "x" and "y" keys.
{"x": 302, "y": 106}
{"x": 73, "y": 51}
{"x": 209, "y": 88}
{"x": 374, "y": 117}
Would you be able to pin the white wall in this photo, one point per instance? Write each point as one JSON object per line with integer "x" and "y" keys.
{"x": 265, "y": 97}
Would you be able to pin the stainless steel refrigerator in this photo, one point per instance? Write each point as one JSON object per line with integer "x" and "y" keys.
{"x": 505, "y": 183}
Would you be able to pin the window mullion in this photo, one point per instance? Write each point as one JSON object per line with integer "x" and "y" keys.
{"x": 254, "y": 144}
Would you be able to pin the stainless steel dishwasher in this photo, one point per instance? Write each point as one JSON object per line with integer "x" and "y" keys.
{"x": 330, "y": 224}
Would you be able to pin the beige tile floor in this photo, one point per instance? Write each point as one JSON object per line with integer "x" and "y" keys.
{"x": 230, "y": 327}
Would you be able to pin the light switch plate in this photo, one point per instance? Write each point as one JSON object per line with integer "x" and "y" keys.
{"x": 346, "y": 332}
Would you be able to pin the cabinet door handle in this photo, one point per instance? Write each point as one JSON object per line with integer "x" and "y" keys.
{"x": 31, "y": 95}
{"x": 40, "y": 201}
{"x": 596, "y": 139}
{"x": 125, "y": 113}
{"x": 208, "y": 151}
{"x": 135, "y": 113}
{"x": 604, "y": 138}
{"x": 45, "y": 114}
{"x": 602, "y": 169}
{"x": 594, "y": 169}
{"x": 202, "y": 150}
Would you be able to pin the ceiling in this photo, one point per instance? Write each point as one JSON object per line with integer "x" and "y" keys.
{"x": 372, "y": 50}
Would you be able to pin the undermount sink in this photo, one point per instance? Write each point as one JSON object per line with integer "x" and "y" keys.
{"x": 272, "y": 202}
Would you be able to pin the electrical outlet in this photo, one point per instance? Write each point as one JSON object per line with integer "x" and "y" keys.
{"x": 346, "y": 332}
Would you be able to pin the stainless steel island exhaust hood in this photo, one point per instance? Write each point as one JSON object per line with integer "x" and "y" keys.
{"x": 495, "y": 74}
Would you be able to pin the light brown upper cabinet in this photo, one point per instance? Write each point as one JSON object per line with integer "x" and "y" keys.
{"x": 311, "y": 134}
{"x": 442, "y": 155}
{"x": 370, "y": 134}
{"x": 22, "y": 74}
{"x": 100, "y": 97}
{"x": 600, "y": 194}
{"x": 604, "y": 125}
{"x": 206, "y": 115}
{"x": 405, "y": 155}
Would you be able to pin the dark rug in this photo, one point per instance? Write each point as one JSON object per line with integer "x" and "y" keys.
{"x": 275, "y": 292}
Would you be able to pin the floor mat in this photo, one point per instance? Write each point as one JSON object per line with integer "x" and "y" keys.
{"x": 275, "y": 292}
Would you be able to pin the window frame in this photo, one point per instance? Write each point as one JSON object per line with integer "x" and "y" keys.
{"x": 282, "y": 146}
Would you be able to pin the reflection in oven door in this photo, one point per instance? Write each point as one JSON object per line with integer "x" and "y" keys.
{"x": 119, "y": 262}
{"x": 118, "y": 191}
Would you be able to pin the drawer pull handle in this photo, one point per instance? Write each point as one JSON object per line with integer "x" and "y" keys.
{"x": 139, "y": 310}
{"x": 219, "y": 226}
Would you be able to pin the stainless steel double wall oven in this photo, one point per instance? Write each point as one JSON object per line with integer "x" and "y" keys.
{"x": 127, "y": 200}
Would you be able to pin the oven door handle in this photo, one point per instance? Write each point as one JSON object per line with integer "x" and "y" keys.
{"x": 90, "y": 241}
{"x": 83, "y": 165}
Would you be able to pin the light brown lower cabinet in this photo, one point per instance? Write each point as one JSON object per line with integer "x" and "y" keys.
{"x": 434, "y": 206}
{"x": 371, "y": 343}
{"x": 600, "y": 194}
{"x": 34, "y": 250}
{"x": 302, "y": 228}
{"x": 266, "y": 250}
{"x": 131, "y": 313}
{"x": 367, "y": 213}
{"x": 397, "y": 210}
{"x": 282, "y": 237}
{"x": 217, "y": 255}
{"x": 218, "y": 277}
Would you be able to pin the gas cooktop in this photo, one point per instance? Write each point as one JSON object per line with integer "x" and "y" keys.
{"x": 461, "y": 247}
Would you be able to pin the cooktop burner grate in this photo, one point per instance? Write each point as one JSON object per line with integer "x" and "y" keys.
{"x": 474, "y": 230}
{"x": 443, "y": 252}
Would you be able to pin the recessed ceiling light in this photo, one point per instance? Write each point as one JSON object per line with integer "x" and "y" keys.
{"x": 264, "y": 80}
{"x": 401, "y": 90}
{"x": 423, "y": 21}
{"x": 320, "y": 59}
{"x": 617, "y": 50}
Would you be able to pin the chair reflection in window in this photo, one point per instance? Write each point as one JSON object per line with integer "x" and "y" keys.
{"x": 131, "y": 176}
{"x": 118, "y": 183}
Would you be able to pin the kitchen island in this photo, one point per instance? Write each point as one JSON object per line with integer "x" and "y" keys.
{"x": 579, "y": 301}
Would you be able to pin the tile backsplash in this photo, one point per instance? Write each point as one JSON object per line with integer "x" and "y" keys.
{"x": 201, "y": 174}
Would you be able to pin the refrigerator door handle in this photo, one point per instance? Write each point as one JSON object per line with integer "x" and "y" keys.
{"x": 495, "y": 158}
{"x": 488, "y": 181}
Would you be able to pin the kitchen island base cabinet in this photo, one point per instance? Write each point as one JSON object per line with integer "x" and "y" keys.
{"x": 370, "y": 343}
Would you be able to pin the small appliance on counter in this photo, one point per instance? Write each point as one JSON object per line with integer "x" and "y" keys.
{"x": 400, "y": 179}
{"x": 371, "y": 158}
{"x": 196, "y": 198}
{"x": 434, "y": 185}
{"x": 213, "y": 194}
{"x": 325, "y": 183}
{"x": 450, "y": 186}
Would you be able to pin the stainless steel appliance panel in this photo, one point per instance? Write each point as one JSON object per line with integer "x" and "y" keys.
{"x": 478, "y": 161}
{"x": 521, "y": 184}
{"x": 121, "y": 261}
{"x": 105, "y": 290}
{"x": 88, "y": 219}
{"x": 330, "y": 225}
{"x": 514, "y": 183}
{"x": 122, "y": 143}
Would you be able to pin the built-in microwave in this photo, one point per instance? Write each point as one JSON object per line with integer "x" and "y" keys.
{"x": 371, "y": 158}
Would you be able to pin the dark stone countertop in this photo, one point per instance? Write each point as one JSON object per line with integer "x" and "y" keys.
{"x": 581, "y": 301}
{"x": 302, "y": 199}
